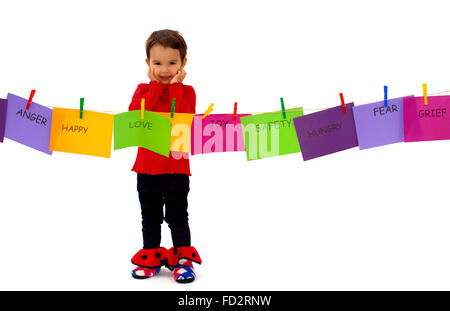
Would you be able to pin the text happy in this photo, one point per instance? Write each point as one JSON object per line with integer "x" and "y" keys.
{"x": 74, "y": 129}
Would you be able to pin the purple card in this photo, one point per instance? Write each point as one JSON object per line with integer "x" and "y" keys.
{"x": 3, "y": 103}
{"x": 325, "y": 132}
{"x": 29, "y": 127}
{"x": 377, "y": 125}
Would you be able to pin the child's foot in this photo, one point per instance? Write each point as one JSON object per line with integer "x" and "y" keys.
{"x": 184, "y": 271}
{"x": 144, "y": 273}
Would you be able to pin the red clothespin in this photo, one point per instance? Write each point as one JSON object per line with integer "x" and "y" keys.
{"x": 234, "y": 111}
{"x": 344, "y": 110}
{"x": 30, "y": 99}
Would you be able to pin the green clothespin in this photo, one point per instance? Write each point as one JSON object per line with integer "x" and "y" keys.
{"x": 81, "y": 107}
{"x": 173, "y": 108}
{"x": 282, "y": 107}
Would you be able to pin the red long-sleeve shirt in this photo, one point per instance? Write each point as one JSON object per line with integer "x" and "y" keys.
{"x": 158, "y": 98}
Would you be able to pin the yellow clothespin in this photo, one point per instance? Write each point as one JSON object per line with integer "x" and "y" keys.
{"x": 425, "y": 97}
{"x": 142, "y": 108}
{"x": 208, "y": 111}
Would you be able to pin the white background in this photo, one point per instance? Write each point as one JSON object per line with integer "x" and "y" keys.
{"x": 356, "y": 220}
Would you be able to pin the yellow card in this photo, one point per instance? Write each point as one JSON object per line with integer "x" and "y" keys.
{"x": 91, "y": 135}
{"x": 181, "y": 131}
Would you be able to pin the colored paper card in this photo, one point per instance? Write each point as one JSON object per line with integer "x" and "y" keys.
{"x": 181, "y": 131}
{"x": 325, "y": 132}
{"x": 377, "y": 125}
{"x": 269, "y": 134}
{"x": 3, "y": 103}
{"x": 152, "y": 132}
{"x": 217, "y": 133}
{"x": 29, "y": 127}
{"x": 91, "y": 135}
{"x": 426, "y": 122}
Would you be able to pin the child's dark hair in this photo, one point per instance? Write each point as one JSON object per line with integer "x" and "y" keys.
{"x": 167, "y": 38}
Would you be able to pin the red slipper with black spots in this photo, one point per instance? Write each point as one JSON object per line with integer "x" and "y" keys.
{"x": 150, "y": 258}
{"x": 174, "y": 255}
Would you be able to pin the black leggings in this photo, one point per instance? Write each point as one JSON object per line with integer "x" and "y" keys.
{"x": 170, "y": 190}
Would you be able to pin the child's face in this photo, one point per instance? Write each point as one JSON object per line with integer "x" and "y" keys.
{"x": 165, "y": 62}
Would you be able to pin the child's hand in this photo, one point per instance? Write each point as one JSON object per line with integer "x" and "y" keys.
{"x": 179, "y": 77}
{"x": 151, "y": 74}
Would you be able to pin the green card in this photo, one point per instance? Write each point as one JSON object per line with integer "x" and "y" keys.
{"x": 269, "y": 134}
{"x": 153, "y": 132}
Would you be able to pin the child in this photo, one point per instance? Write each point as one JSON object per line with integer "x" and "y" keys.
{"x": 161, "y": 180}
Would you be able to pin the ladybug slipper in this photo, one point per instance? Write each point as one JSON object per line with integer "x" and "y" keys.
{"x": 179, "y": 259}
{"x": 184, "y": 271}
{"x": 149, "y": 262}
{"x": 144, "y": 273}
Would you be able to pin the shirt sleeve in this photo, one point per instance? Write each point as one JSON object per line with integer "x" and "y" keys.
{"x": 184, "y": 97}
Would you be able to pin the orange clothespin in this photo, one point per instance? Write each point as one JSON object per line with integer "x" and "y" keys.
{"x": 30, "y": 99}
{"x": 208, "y": 111}
{"x": 142, "y": 108}
{"x": 425, "y": 95}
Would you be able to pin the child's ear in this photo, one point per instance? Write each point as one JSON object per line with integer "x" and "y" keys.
{"x": 148, "y": 63}
{"x": 184, "y": 62}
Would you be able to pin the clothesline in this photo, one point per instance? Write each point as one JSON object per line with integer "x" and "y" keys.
{"x": 290, "y": 110}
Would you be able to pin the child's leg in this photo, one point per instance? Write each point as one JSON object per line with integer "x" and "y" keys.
{"x": 176, "y": 214}
{"x": 151, "y": 198}
{"x": 177, "y": 218}
{"x": 150, "y": 188}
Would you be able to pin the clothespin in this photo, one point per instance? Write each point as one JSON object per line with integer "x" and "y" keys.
{"x": 344, "y": 110}
{"x": 30, "y": 99}
{"x": 208, "y": 111}
{"x": 142, "y": 108}
{"x": 385, "y": 96}
{"x": 81, "y": 107}
{"x": 425, "y": 96}
{"x": 283, "y": 110}
{"x": 173, "y": 108}
{"x": 234, "y": 111}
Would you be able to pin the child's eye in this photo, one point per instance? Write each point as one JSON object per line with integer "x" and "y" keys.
{"x": 172, "y": 63}
{"x": 157, "y": 63}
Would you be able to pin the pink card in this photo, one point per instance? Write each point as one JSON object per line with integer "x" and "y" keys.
{"x": 216, "y": 133}
{"x": 426, "y": 122}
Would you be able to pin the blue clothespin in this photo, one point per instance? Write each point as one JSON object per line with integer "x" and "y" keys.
{"x": 385, "y": 96}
